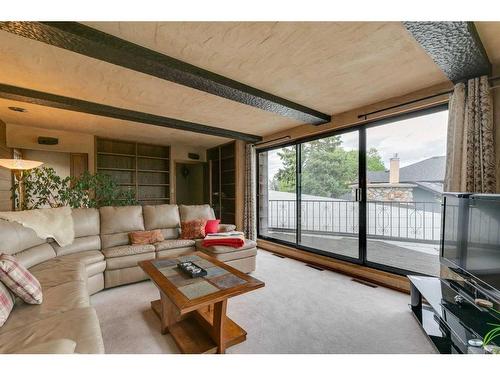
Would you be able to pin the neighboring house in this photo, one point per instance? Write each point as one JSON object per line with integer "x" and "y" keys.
{"x": 418, "y": 182}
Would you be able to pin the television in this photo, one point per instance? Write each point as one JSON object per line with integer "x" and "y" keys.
{"x": 470, "y": 240}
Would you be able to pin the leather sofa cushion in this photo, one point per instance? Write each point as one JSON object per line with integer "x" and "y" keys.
{"x": 95, "y": 268}
{"x": 35, "y": 255}
{"x": 249, "y": 244}
{"x": 56, "y": 300}
{"x": 161, "y": 216}
{"x": 170, "y": 233}
{"x": 86, "y": 257}
{"x": 121, "y": 219}
{"x": 233, "y": 255}
{"x": 58, "y": 271}
{"x": 61, "y": 346}
{"x": 16, "y": 238}
{"x": 193, "y": 212}
{"x": 79, "y": 325}
{"x": 121, "y": 251}
{"x": 128, "y": 261}
{"x": 79, "y": 244}
{"x": 112, "y": 240}
{"x": 173, "y": 244}
{"x": 86, "y": 221}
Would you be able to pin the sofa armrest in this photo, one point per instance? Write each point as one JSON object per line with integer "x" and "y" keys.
{"x": 226, "y": 228}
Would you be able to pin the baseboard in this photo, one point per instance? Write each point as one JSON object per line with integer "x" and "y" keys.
{"x": 382, "y": 278}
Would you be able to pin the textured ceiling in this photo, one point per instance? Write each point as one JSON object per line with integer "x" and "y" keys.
{"x": 331, "y": 67}
{"x": 51, "y": 118}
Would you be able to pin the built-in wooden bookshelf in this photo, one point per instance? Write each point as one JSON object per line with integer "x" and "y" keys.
{"x": 222, "y": 164}
{"x": 143, "y": 168}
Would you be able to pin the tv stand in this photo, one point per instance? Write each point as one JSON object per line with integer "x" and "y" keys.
{"x": 449, "y": 324}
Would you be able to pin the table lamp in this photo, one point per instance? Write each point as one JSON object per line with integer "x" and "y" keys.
{"x": 17, "y": 166}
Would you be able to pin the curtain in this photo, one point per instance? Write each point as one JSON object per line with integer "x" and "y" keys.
{"x": 250, "y": 207}
{"x": 470, "y": 156}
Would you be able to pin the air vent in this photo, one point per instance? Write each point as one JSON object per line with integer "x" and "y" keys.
{"x": 48, "y": 141}
{"x": 315, "y": 267}
{"x": 371, "y": 285}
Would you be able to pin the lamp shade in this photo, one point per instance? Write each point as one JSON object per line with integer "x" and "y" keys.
{"x": 19, "y": 164}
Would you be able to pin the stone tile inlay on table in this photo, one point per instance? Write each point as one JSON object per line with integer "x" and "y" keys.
{"x": 169, "y": 271}
{"x": 181, "y": 280}
{"x": 164, "y": 263}
{"x": 204, "y": 263}
{"x": 198, "y": 289}
{"x": 215, "y": 271}
{"x": 227, "y": 281}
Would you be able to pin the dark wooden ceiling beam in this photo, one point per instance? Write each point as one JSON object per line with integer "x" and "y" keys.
{"x": 90, "y": 42}
{"x": 76, "y": 105}
{"x": 454, "y": 46}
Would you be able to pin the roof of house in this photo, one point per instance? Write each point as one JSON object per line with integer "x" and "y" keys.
{"x": 428, "y": 170}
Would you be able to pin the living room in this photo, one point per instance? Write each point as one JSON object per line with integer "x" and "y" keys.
{"x": 260, "y": 185}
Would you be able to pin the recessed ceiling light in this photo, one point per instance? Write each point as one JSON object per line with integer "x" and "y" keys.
{"x": 17, "y": 109}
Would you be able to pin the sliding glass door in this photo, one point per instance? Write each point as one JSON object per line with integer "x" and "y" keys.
{"x": 277, "y": 194}
{"x": 404, "y": 187}
{"x": 370, "y": 196}
{"x": 328, "y": 193}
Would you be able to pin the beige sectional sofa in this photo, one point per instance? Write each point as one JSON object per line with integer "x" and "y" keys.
{"x": 99, "y": 257}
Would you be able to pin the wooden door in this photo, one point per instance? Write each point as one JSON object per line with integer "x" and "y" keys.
{"x": 79, "y": 163}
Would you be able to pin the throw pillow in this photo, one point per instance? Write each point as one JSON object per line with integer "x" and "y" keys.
{"x": 212, "y": 226}
{"x": 191, "y": 230}
{"x": 6, "y": 303}
{"x": 145, "y": 237}
{"x": 19, "y": 280}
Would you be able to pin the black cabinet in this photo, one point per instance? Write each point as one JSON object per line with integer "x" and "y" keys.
{"x": 449, "y": 321}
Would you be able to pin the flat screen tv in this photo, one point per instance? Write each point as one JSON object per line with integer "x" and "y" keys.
{"x": 470, "y": 241}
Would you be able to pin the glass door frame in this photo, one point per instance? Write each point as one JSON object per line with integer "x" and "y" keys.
{"x": 362, "y": 182}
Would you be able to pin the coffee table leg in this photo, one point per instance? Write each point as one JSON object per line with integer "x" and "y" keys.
{"x": 169, "y": 314}
{"x": 218, "y": 325}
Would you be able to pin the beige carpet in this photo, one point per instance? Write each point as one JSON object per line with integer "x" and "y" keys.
{"x": 300, "y": 310}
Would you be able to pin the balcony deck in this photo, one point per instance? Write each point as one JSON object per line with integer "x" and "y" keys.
{"x": 413, "y": 256}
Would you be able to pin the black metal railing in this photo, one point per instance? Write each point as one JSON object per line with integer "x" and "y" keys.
{"x": 403, "y": 221}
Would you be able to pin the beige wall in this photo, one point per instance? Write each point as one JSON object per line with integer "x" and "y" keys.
{"x": 5, "y": 174}
{"x": 25, "y": 137}
{"x": 60, "y": 161}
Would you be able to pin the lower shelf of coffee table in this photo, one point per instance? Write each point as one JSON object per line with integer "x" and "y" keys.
{"x": 192, "y": 333}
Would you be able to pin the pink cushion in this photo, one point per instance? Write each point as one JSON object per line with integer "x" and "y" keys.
{"x": 212, "y": 226}
{"x": 6, "y": 303}
{"x": 19, "y": 280}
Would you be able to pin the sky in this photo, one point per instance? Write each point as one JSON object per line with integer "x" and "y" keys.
{"x": 413, "y": 140}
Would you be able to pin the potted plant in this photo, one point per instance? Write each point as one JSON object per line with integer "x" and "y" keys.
{"x": 492, "y": 335}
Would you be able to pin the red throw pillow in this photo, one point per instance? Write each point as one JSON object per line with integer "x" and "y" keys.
{"x": 212, "y": 226}
{"x": 191, "y": 230}
{"x": 19, "y": 280}
{"x": 145, "y": 237}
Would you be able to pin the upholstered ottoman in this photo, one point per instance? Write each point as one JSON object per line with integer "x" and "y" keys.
{"x": 242, "y": 258}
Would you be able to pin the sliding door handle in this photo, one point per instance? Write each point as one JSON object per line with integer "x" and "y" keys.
{"x": 358, "y": 195}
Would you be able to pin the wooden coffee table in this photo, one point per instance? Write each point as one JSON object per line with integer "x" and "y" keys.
{"x": 193, "y": 311}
